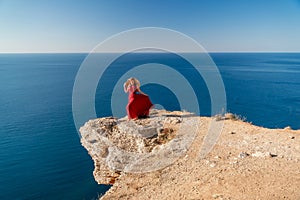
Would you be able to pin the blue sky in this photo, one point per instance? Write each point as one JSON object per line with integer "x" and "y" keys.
{"x": 218, "y": 25}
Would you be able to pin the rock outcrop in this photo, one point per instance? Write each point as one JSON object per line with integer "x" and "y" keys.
{"x": 247, "y": 162}
{"x": 122, "y": 145}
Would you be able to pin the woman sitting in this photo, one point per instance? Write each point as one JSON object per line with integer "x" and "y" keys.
{"x": 139, "y": 103}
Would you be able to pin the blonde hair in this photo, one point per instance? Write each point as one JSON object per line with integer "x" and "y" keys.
{"x": 131, "y": 81}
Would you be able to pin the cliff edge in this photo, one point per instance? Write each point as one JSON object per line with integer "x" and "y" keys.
{"x": 158, "y": 158}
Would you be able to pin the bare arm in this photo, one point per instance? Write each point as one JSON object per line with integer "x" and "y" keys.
{"x": 125, "y": 87}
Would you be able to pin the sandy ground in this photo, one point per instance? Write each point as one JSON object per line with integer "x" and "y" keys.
{"x": 248, "y": 162}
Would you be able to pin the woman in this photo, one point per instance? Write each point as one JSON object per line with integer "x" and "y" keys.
{"x": 139, "y": 103}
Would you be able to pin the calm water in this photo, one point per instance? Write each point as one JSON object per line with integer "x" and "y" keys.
{"x": 41, "y": 155}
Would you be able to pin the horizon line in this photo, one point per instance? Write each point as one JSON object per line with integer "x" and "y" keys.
{"x": 86, "y": 52}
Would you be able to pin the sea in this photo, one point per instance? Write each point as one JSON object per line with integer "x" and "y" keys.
{"x": 41, "y": 156}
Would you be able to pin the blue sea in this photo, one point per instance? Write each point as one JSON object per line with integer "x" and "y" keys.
{"x": 41, "y": 156}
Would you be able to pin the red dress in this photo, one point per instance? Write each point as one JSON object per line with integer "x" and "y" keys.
{"x": 138, "y": 104}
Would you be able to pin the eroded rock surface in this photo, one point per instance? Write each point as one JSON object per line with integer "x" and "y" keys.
{"x": 118, "y": 145}
{"x": 246, "y": 161}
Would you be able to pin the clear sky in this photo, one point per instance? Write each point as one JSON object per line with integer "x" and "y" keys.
{"x": 218, "y": 25}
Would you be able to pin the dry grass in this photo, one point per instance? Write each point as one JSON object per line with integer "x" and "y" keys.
{"x": 229, "y": 116}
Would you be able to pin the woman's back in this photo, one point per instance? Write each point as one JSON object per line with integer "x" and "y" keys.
{"x": 139, "y": 104}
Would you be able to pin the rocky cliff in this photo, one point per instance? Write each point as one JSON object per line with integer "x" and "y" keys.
{"x": 122, "y": 145}
{"x": 159, "y": 158}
